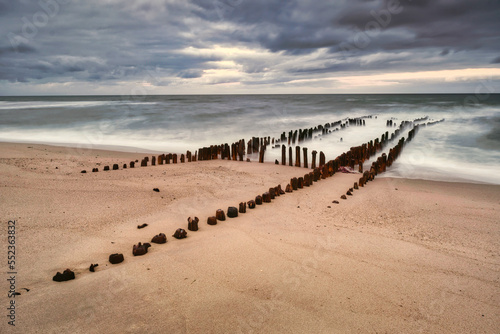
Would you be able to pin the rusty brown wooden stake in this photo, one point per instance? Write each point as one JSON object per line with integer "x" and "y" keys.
{"x": 272, "y": 192}
{"x": 313, "y": 163}
{"x": 297, "y": 156}
{"x": 261, "y": 154}
{"x": 321, "y": 158}
{"x": 290, "y": 158}
{"x": 243, "y": 207}
{"x": 174, "y": 156}
{"x": 300, "y": 182}
{"x": 283, "y": 154}
{"x": 305, "y": 157}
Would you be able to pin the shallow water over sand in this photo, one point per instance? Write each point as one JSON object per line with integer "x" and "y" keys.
{"x": 465, "y": 147}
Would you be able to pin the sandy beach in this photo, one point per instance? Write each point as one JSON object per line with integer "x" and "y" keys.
{"x": 399, "y": 256}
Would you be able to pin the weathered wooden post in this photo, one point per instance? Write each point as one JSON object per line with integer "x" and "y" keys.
{"x": 243, "y": 207}
{"x": 183, "y": 159}
{"x": 272, "y": 193}
{"x": 232, "y": 212}
{"x": 174, "y": 156}
{"x": 212, "y": 220}
{"x": 214, "y": 151}
{"x": 233, "y": 151}
{"x": 241, "y": 149}
{"x": 188, "y": 155}
{"x": 220, "y": 215}
{"x": 266, "y": 197}
{"x": 290, "y": 158}
{"x": 193, "y": 224}
{"x": 316, "y": 174}
{"x": 294, "y": 182}
{"x": 297, "y": 156}
{"x": 313, "y": 163}
{"x": 255, "y": 144}
{"x": 160, "y": 238}
{"x": 251, "y": 204}
{"x": 300, "y": 182}
{"x": 132, "y": 164}
{"x": 153, "y": 161}
{"x": 261, "y": 154}
{"x": 307, "y": 180}
{"x": 283, "y": 154}
{"x": 258, "y": 200}
{"x": 321, "y": 158}
{"x": 304, "y": 149}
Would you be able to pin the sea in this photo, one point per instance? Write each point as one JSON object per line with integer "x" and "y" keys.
{"x": 465, "y": 147}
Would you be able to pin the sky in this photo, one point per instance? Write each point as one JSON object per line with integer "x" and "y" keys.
{"x": 142, "y": 47}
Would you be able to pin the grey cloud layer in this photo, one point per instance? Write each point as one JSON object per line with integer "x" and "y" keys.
{"x": 111, "y": 41}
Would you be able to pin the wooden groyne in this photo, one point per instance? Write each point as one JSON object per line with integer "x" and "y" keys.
{"x": 355, "y": 156}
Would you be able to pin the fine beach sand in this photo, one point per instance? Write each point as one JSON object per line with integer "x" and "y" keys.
{"x": 399, "y": 256}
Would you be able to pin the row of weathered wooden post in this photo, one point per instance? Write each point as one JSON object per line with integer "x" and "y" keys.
{"x": 160, "y": 160}
{"x": 236, "y": 151}
{"x": 356, "y": 155}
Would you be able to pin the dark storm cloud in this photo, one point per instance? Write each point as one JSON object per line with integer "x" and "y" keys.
{"x": 112, "y": 41}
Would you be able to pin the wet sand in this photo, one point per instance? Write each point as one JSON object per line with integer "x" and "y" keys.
{"x": 407, "y": 256}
